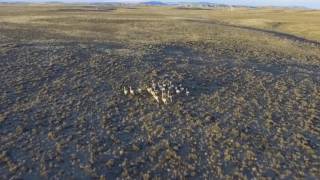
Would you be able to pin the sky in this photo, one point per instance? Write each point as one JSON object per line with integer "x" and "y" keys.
{"x": 305, "y": 3}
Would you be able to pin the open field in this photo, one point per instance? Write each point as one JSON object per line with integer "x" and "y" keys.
{"x": 253, "y": 109}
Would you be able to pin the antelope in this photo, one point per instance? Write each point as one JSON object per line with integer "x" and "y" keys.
{"x": 159, "y": 86}
{"x": 164, "y": 100}
{"x": 153, "y": 93}
{"x": 125, "y": 90}
{"x": 170, "y": 85}
{"x": 164, "y": 85}
{"x": 169, "y": 96}
{"x": 131, "y": 91}
{"x": 177, "y": 91}
{"x": 187, "y": 92}
{"x": 153, "y": 85}
{"x": 139, "y": 90}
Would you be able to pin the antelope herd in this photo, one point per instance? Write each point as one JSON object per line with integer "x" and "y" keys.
{"x": 162, "y": 91}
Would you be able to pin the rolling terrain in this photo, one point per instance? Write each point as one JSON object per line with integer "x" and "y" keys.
{"x": 253, "y": 109}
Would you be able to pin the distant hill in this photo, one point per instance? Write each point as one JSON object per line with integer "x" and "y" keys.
{"x": 14, "y": 2}
{"x": 154, "y": 3}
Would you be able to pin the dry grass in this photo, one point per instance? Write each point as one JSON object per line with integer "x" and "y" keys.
{"x": 153, "y": 21}
{"x": 148, "y": 25}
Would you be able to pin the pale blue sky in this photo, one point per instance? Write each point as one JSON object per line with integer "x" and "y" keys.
{"x": 305, "y": 3}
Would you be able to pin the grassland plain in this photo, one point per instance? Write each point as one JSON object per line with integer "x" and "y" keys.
{"x": 253, "y": 111}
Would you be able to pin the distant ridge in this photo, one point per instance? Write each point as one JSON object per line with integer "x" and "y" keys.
{"x": 154, "y": 3}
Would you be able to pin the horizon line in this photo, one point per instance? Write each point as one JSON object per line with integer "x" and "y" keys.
{"x": 166, "y": 2}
